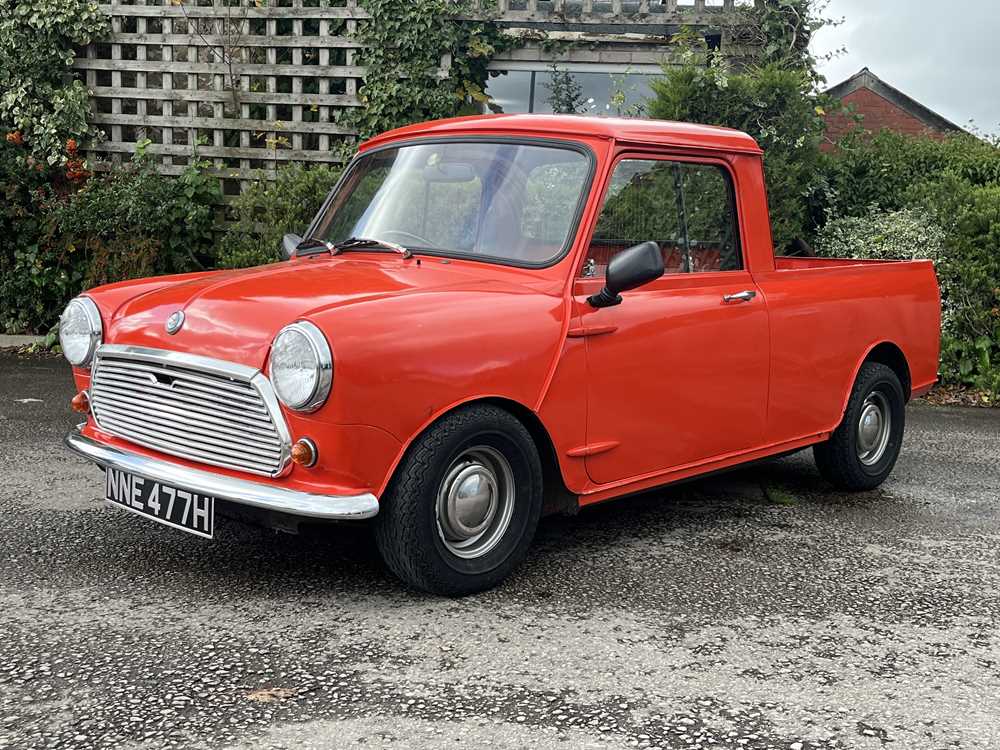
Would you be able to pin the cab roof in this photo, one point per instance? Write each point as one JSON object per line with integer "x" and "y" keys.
{"x": 639, "y": 131}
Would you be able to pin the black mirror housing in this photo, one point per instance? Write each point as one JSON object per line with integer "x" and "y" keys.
{"x": 289, "y": 244}
{"x": 629, "y": 270}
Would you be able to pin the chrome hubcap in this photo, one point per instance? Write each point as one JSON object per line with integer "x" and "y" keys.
{"x": 475, "y": 502}
{"x": 874, "y": 428}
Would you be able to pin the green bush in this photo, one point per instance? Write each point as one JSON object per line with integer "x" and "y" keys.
{"x": 957, "y": 225}
{"x": 65, "y": 231}
{"x": 776, "y": 106}
{"x": 884, "y": 169}
{"x": 268, "y": 210}
{"x": 970, "y": 276}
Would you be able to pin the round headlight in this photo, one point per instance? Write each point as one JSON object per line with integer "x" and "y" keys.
{"x": 301, "y": 366}
{"x": 80, "y": 331}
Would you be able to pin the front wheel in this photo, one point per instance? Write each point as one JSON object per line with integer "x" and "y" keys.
{"x": 862, "y": 451}
{"x": 464, "y": 504}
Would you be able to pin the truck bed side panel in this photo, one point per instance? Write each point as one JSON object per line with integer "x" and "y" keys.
{"x": 826, "y": 318}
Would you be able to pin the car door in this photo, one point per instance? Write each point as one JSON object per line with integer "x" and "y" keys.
{"x": 678, "y": 372}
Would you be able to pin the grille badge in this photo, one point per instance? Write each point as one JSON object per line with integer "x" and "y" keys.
{"x": 175, "y": 322}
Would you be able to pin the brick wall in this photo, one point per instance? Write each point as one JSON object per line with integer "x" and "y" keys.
{"x": 879, "y": 114}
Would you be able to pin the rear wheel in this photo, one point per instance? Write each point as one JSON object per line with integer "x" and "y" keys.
{"x": 863, "y": 449}
{"x": 464, "y": 504}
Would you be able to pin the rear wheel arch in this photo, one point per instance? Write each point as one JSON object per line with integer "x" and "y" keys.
{"x": 890, "y": 355}
{"x": 884, "y": 353}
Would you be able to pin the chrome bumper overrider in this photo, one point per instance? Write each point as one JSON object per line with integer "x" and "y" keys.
{"x": 241, "y": 491}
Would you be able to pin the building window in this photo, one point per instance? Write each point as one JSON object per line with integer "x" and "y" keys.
{"x": 591, "y": 92}
{"x": 510, "y": 91}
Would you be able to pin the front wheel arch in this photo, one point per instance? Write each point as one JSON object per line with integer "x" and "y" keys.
{"x": 463, "y": 506}
{"x": 558, "y": 498}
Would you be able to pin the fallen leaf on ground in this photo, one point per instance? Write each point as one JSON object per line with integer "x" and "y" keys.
{"x": 269, "y": 695}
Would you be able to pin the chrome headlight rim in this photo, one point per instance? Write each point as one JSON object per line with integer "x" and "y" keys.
{"x": 324, "y": 366}
{"x": 95, "y": 324}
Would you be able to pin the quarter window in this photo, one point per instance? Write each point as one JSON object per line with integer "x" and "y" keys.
{"x": 687, "y": 209}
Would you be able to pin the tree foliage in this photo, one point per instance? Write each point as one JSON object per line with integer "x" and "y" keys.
{"x": 62, "y": 232}
{"x": 565, "y": 93}
{"x": 774, "y": 104}
{"x": 951, "y": 184}
{"x": 780, "y": 31}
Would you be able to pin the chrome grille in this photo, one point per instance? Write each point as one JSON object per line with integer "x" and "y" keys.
{"x": 200, "y": 409}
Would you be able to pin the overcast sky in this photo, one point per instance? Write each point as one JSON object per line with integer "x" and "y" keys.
{"x": 946, "y": 55}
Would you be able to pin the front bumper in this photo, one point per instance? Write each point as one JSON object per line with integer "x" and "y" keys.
{"x": 239, "y": 491}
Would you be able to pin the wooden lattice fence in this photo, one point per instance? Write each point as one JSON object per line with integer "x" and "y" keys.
{"x": 258, "y": 84}
{"x": 251, "y": 87}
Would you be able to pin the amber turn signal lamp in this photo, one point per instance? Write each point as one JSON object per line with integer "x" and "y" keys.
{"x": 304, "y": 453}
{"x": 81, "y": 403}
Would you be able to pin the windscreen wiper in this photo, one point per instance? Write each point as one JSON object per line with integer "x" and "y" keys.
{"x": 358, "y": 243}
{"x": 314, "y": 243}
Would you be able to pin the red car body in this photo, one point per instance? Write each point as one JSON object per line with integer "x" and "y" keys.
{"x": 671, "y": 384}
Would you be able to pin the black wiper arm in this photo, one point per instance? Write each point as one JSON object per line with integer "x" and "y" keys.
{"x": 356, "y": 243}
{"x": 312, "y": 243}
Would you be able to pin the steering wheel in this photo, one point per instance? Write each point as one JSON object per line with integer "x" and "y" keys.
{"x": 420, "y": 241}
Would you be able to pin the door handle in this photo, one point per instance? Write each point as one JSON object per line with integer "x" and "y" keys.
{"x": 744, "y": 296}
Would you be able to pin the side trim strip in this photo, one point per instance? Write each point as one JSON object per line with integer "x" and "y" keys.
{"x": 592, "y": 449}
{"x": 584, "y": 331}
{"x": 240, "y": 491}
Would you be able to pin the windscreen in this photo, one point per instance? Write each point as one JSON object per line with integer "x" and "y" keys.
{"x": 506, "y": 202}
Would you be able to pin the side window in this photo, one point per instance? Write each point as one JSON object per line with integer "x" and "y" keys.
{"x": 687, "y": 209}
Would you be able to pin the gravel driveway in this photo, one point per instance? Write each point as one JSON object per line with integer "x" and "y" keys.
{"x": 755, "y": 610}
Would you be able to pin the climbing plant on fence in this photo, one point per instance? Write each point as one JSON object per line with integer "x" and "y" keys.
{"x": 37, "y": 42}
{"x": 424, "y": 60}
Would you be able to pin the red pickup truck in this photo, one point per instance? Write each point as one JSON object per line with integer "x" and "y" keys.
{"x": 491, "y": 318}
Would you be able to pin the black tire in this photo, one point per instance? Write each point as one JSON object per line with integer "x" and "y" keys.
{"x": 840, "y": 459}
{"x": 410, "y": 537}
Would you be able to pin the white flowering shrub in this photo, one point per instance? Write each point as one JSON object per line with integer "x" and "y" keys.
{"x": 908, "y": 234}
{"x": 894, "y": 235}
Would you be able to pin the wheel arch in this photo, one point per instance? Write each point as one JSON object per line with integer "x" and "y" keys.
{"x": 889, "y": 354}
{"x": 557, "y": 498}
{"x": 886, "y": 353}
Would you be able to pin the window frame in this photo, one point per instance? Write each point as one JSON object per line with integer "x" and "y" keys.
{"x": 573, "y": 234}
{"x": 683, "y": 157}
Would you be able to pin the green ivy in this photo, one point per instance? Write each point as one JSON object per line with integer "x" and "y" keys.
{"x": 37, "y": 47}
{"x": 404, "y": 44}
{"x": 780, "y": 32}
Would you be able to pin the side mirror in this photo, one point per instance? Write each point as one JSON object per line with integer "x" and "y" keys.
{"x": 289, "y": 244}
{"x": 629, "y": 269}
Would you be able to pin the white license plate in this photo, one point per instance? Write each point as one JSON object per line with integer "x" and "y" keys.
{"x": 175, "y": 507}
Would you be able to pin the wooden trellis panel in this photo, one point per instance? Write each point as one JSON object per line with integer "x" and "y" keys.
{"x": 249, "y": 86}
{"x": 600, "y": 12}
{"x": 253, "y": 84}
